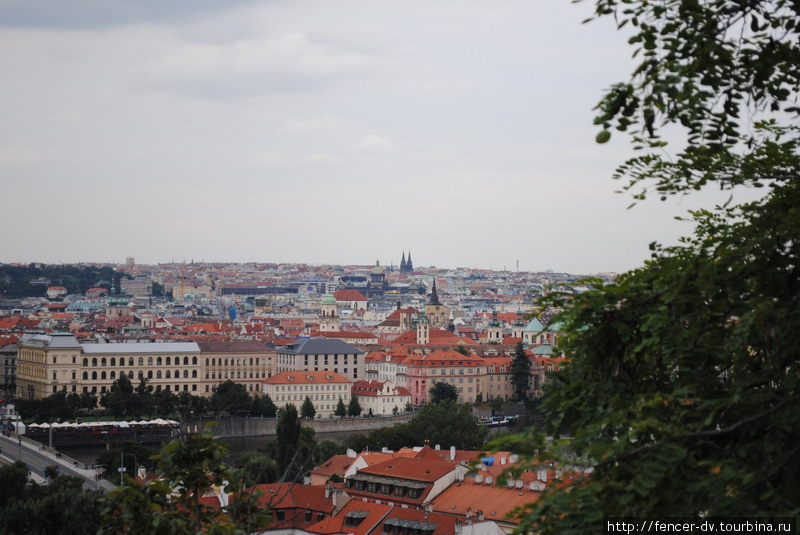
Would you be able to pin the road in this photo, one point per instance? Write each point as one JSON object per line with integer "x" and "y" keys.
{"x": 38, "y": 457}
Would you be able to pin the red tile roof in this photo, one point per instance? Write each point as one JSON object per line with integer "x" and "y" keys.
{"x": 307, "y": 377}
{"x": 349, "y": 295}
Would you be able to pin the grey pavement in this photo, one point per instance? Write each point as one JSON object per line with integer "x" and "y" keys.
{"x": 38, "y": 457}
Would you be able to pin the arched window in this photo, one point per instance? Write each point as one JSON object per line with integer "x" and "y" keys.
{"x": 113, "y": 375}
{"x": 185, "y": 374}
{"x": 113, "y": 361}
{"x": 102, "y": 375}
{"x": 94, "y": 362}
{"x": 149, "y": 361}
{"x": 213, "y": 362}
{"x": 169, "y": 361}
{"x": 94, "y": 376}
{"x": 167, "y": 374}
{"x": 149, "y": 374}
{"x": 130, "y": 361}
{"x": 194, "y": 374}
{"x": 185, "y": 361}
{"x": 251, "y": 362}
{"x": 206, "y": 361}
{"x": 130, "y": 374}
{"x": 194, "y": 361}
{"x": 177, "y": 373}
{"x": 158, "y": 374}
{"x": 141, "y": 361}
{"x": 103, "y": 362}
{"x": 85, "y": 362}
{"x": 140, "y": 375}
{"x": 85, "y": 376}
{"x": 158, "y": 361}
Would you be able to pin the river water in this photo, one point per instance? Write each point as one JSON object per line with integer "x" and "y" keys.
{"x": 239, "y": 445}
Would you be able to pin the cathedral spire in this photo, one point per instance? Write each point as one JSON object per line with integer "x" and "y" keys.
{"x": 409, "y": 264}
{"x": 434, "y": 300}
{"x": 403, "y": 261}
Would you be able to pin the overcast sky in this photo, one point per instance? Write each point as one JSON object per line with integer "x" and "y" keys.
{"x": 316, "y": 131}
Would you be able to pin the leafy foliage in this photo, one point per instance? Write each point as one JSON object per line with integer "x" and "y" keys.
{"x": 15, "y": 280}
{"x": 683, "y": 385}
{"x": 307, "y": 410}
{"x": 445, "y": 423}
{"x": 727, "y": 72}
{"x": 354, "y": 407}
{"x": 61, "y": 507}
{"x": 231, "y": 398}
{"x": 520, "y": 372}
{"x": 341, "y": 409}
{"x": 264, "y": 406}
{"x": 189, "y": 467}
{"x": 441, "y": 391}
{"x": 133, "y": 454}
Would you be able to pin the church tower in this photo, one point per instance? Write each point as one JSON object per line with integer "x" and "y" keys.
{"x": 403, "y": 263}
{"x": 494, "y": 334}
{"x": 409, "y": 263}
{"x": 519, "y": 325}
{"x": 423, "y": 330}
{"x": 435, "y": 310}
{"x": 329, "y": 319}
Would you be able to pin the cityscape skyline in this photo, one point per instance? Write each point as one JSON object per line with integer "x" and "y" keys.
{"x": 298, "y": 132}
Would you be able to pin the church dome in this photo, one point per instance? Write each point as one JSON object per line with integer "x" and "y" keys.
{"x": 328, "y": 299}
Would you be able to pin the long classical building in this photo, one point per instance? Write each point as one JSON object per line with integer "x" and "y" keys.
{"x": 324, "y": 388}
{"x": 48, "y": 363}
{"x": 322, "y": 354}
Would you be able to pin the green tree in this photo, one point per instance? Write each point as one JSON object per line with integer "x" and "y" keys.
{"x": 231, "y": 398}
{"x": 353, "y": 408}
{"x": 461, "y": 348}
{"x": 172, "y": 504}
{"x": 158, "y": 289}
{"x": 341, "y": 409}
{"x": 287, "y": 434}
{"x": 264, "y": 406}
{"x": 441, "y": 391}
{"x": 520, "y": 373}
{"x": 258, "y": 468}
{"x": 682, "y": 388}
{"x": 120, "y": 399}
{"x": 307, "y": 410}
{"x": 13, "y": 480}
{"x": 165, "y": 403}
{"x": 446, "y": 423}
{"x": 88, "y": 400}
{"x": 128, "y": 454}
{"x": 61, "y": 507}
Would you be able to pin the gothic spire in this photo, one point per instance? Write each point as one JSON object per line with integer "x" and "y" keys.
{"x": 434, "y": 300}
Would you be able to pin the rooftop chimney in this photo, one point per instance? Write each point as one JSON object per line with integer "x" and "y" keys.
{"x": 452, "y": 453}
{"x": 437, "y": 447}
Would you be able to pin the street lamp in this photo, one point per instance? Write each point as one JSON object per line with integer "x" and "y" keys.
{"x": 122, "y": 468}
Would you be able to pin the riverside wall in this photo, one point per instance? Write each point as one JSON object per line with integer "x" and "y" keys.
{"x": 264, "y": 427}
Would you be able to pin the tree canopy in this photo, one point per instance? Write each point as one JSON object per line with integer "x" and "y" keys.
{"x": 307, "y": 410}
{"x": 441, "y": 391}
{"x": 520, "y": 373}
{"x": 683, "y": 381}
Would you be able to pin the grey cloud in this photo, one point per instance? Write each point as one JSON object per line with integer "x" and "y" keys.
{"x": 93, "y": 14}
